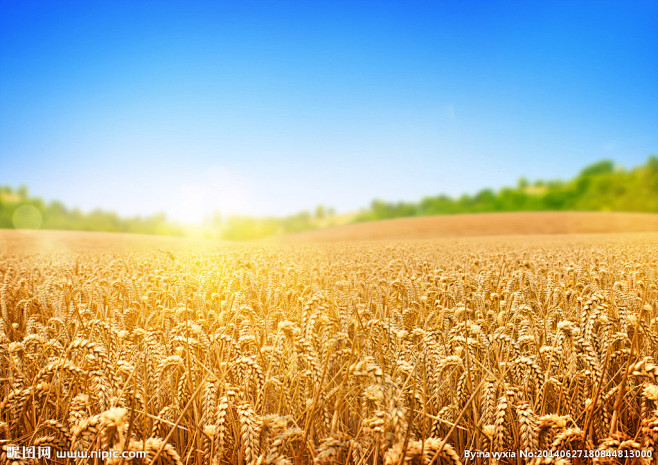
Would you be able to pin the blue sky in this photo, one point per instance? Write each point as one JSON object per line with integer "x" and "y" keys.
{"x": 271, "y": 107}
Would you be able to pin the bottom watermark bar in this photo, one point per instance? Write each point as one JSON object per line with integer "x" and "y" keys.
{"x": 559, "y": 453}
{"x": 46, "y": 452}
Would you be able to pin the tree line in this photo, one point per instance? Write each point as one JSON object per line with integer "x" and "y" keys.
{"x": 599, "y": 187}
{"x": 55, "y": 215}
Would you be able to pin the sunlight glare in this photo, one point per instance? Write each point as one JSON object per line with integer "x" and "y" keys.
{"x": 27, "y": 217}
{"x": 216, "y": 191}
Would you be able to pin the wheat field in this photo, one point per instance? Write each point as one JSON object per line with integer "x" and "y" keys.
{"x": 449, "y": 351}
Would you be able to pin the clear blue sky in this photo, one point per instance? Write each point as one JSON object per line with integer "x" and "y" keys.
{"x": 271, "y": 107}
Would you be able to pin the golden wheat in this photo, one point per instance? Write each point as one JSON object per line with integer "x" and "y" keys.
{"x": 361, "y": 353}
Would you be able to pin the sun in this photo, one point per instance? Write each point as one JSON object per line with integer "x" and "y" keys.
{"x": 216, "y": 191}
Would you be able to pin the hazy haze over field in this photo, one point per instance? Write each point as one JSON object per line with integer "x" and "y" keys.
{"x": 273, "y": 107}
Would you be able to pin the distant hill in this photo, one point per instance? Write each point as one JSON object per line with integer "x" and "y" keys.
{"x": 484, "y": 224}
